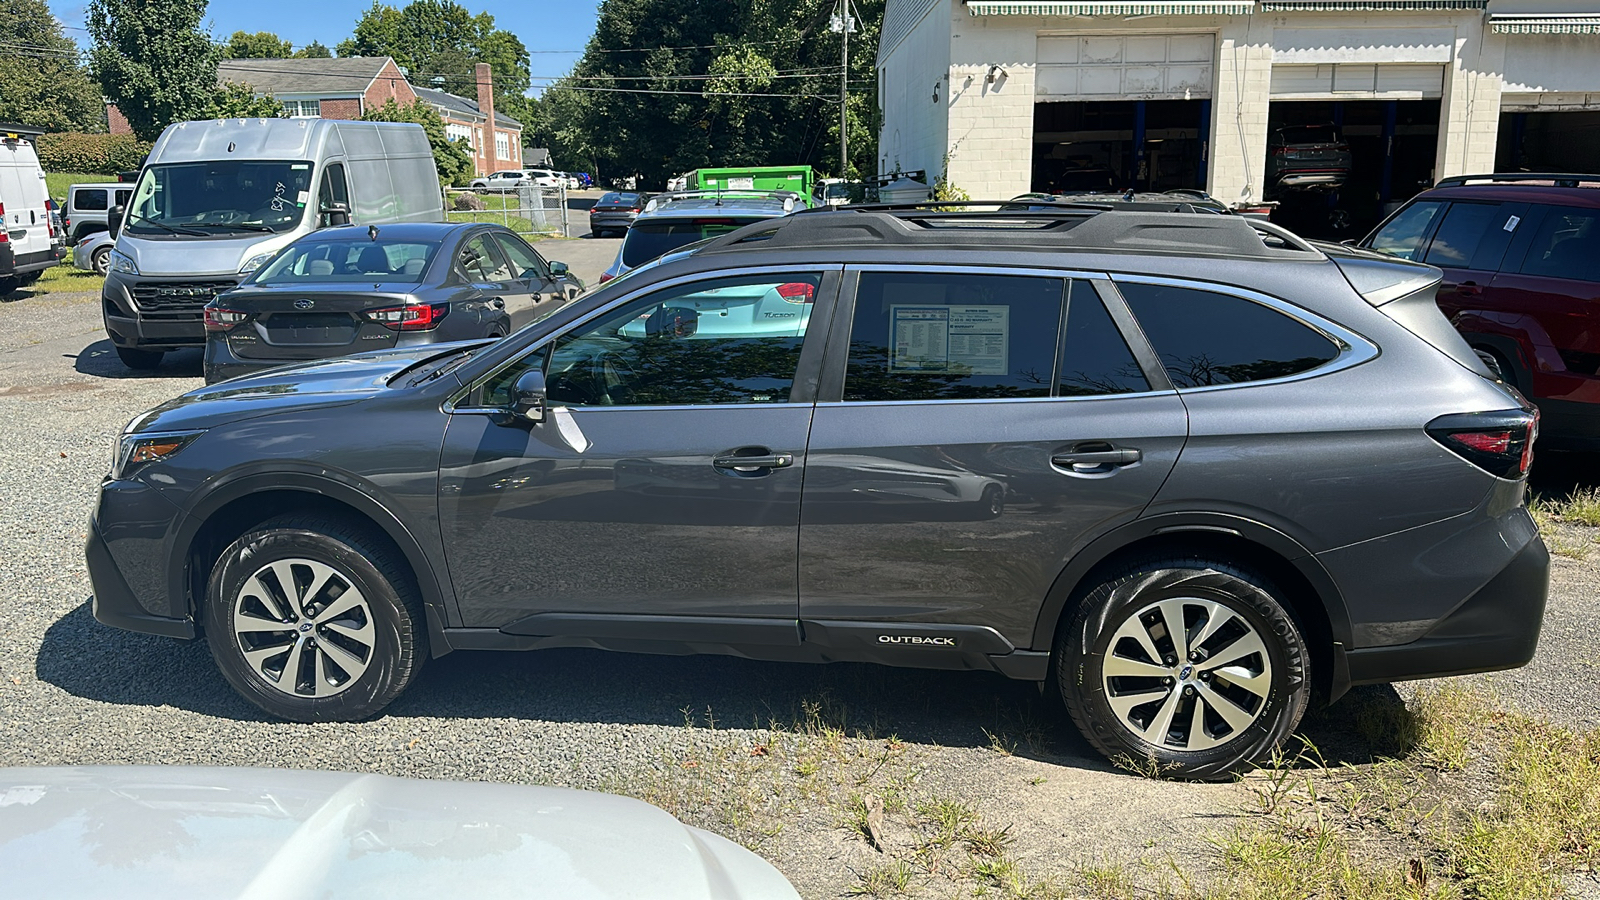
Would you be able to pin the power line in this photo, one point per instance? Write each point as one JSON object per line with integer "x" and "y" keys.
{"x": 701, "y": 94}
{"x": 793, "y": 40}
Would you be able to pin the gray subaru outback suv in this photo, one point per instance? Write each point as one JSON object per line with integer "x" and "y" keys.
{"x": 1188, "y": 470}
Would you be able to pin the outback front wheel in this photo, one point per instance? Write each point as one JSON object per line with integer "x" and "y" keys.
{"x": 314, "y": 620}
{"x": 1190, "y": 667}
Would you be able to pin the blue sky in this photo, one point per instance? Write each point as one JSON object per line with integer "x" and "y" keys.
{"x": 554, "y": 31}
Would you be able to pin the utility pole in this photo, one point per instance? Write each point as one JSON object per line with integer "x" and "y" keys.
{"x": 843, "y": 23}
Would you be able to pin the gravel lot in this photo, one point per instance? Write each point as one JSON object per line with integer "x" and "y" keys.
{"x": 773, "y": 755}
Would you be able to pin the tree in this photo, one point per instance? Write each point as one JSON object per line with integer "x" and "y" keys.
{"x": 240, "y": 101}
{"x": 453, "y": 163}
{"x": 439, "y": 42}
{"x": 261, "y": 45}
{"x": 640, "y": 100}
{"x": 153, "y": 61}
{"x": 44, "y": 86}
{"x": 313, "y": 50}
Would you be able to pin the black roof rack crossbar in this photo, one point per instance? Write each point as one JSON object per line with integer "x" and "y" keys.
{"x": 1559, "y": 179}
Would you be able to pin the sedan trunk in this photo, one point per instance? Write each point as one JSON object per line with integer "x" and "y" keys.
{"x": 310, "y": 324}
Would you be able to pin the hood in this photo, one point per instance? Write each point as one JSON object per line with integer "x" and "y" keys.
{"x": 203, "y": 833}
{"x": 175, "y": 255}
{"x": 319, "y": 383}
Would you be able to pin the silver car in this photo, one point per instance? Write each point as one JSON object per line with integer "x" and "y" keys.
{"x": 201, "y": 833}
{"x": 93, "y": 252}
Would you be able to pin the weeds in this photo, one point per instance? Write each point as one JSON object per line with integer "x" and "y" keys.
{"x": 893, "y": 877}
{"x": 1582, "y": 507}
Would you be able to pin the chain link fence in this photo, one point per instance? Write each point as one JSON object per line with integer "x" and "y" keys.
{"x": 530, "y": 209}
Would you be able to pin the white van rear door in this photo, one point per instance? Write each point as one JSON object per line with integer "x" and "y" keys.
{"x": 24, "y": 195}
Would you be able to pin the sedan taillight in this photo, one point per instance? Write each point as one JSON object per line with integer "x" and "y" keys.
{"x": 797, "y": 292}
{"x": 605, "y": 277}
{"x": 220, "y": 318}
{"x": 1500, "y": 442}
{"x": 409, "y": 318}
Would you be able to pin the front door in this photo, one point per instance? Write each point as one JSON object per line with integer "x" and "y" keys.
{"x": 665, "y": 478}
{"x": 986, "y": 427}
{"x": 540, "y": 292}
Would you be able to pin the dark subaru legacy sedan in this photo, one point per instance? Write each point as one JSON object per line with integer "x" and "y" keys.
{"x": 1189, "y": 469}
{"x": 346, "y": 290}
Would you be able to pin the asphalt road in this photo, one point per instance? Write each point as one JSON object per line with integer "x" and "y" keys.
{"x": 75, "y": 692}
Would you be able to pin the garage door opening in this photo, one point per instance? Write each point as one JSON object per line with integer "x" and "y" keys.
{"x": 1567, "y": 141}
{"x": 1388, "y": 156}
{"x": 1101, "y": 146}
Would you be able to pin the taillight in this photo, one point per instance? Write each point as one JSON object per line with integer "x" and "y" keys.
{"x": 49, "y": 223}
{"x": 1500, "y": 442}
{"x": 409, "y": 318}
{"x": 605, "y": 277}
{"x": 220, "y": 318}
{"x": 5, "y": 238}
{"x": 797, "y": 292}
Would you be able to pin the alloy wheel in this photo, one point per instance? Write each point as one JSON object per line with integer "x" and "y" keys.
{"x": 304, "y": 627}
{"x": 1187, "y": 674}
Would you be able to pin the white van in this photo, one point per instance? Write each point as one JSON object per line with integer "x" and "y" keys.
{"x": 26, "y": 238}
{"x": 217, "y": 199}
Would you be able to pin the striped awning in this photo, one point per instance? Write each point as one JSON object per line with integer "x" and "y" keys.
{"x": 1369, "y": 5}
{"x": 1513, "y": 23}
{"x": 1070, "y": 8}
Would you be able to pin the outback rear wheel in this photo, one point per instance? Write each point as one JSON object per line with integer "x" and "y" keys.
{"x": 1192, "y": 667}
{"x": 314, "y": 620}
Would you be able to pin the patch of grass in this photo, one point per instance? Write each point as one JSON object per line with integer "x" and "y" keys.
{"x": 1581, "y": 507}
{"x": 56, "y": 183}
{"x": 891, "y": 878}
{"x": 61, "y": 279}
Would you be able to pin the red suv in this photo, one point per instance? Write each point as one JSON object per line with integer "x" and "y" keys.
{"x": 1521, "y": 261}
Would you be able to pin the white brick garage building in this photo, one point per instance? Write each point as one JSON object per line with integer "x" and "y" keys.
{"x": 1018, "y": 95}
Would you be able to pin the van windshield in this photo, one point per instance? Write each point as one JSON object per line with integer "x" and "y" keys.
{"x": 220, "y": 197}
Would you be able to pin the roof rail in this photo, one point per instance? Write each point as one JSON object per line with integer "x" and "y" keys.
{"x": 657, "y": 199}
{"x": 1558, "y": 179}
{"x": 1067, "y": 226}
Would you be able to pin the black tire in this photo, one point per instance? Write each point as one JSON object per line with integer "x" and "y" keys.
{"x": 101, "y": 260}
{"x": 8, "y": 286}
{"x": 143, "y": 360}
{"x": 370, "y": 565}
{"x": 1084, "y": 645}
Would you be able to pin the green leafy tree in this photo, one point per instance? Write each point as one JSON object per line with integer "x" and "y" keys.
{"x": 44, "y": 86}
{"x": 153, "y": 61}
{"x": 439, "y": 42}
{"x": 449, "y": 157}
{"x": 240, "y": 101}
{"x": 640, "y": 102}
{"x": 261, "y": 45}
{"x": 313, "y": 50}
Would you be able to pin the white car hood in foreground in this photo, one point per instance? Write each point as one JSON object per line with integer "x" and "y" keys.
{"x": 199, "y": 833}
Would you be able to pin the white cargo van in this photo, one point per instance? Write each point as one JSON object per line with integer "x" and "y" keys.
{"x": 26, "y": 245}
{"x": 216, "y": 200}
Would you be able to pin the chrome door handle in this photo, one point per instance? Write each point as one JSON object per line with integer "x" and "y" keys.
{"x": 746, "y": 463}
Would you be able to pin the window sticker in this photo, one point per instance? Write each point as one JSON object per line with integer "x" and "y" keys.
{"x": 1511, "y": 223}
{"x": 954, "y": 340}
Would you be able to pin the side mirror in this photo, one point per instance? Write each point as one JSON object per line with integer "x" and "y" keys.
{"x": 114, "y": 217}
{"x": 558, "y": 269}
{"x": 527, "y": 397}
{"x": 336, "y": 214}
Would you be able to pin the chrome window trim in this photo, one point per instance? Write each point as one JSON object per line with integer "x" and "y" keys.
{"x": 450, "y": 407}
{"x": 1353, "y": 348}
{"x": 980, "y": 400}
{"x": 977, "y": 269}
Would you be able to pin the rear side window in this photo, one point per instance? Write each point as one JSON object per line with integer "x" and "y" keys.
{"x": 938, "y": 336}
{"x": 1206, "y": 338}
{"x": 1403, "y": 235}
{"x": 91, "y": 199}
{"x": 1461, "y": 232}
{"x": 1567, "y": 245}
{"x": 1094, "y": 358}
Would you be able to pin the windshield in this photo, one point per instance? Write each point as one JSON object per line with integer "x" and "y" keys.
{"x": 310, "y": 260}
{"x": 1309, "y": 134}
{"x": 648, "y": 240}
{"x": 220, "y": 196}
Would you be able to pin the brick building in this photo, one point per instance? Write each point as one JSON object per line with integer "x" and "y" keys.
{"x": 493, "y": 148}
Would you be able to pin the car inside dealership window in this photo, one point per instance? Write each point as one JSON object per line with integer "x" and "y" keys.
{"x": 1206, "y": 339}
{"x": 727, "y": 340}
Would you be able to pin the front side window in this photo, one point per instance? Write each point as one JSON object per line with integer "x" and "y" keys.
{"x": 359, "y": 261}
{"x": 526, "y": 263}
{"x": 1205, "y": 338}
{"x": 730, "y": 340}
{"x": 1567, "y": 245}
{"x": 220, "y": 197}
{"x": 1403, "y": 235}
{"x": 333, "y": 190}
{"x": 953, "y": 336}
{"x": 482, "y": 260}
{"x": 1460, "y": 233}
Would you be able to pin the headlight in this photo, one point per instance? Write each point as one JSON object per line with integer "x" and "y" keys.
{"x": 255, "y": 262}
{"x": 134, "y": 451}
{"x": 121, "y": 262}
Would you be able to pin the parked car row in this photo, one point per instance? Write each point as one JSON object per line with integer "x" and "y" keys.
{"x": 511, "y": 179}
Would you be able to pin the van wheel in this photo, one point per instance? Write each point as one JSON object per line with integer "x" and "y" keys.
{"x": 143, "y": 360}
{"x": 314, "y": 620}
{"x": 101, "y": 260}
{"x": 1190, "y": 667}
{"x": 9, "y": 286}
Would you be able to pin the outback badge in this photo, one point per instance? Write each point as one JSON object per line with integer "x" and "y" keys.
{"x": 916, "y": 640}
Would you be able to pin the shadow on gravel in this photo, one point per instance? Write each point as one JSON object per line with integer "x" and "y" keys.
{"x": 100, "y": 360}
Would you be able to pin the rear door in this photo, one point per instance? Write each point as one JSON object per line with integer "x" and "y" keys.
{"x": 1468, "y": 245}
{"x": 27, "y": 219}
{"x": 980, "y": 426}
{"x": 1547, "y": 295}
